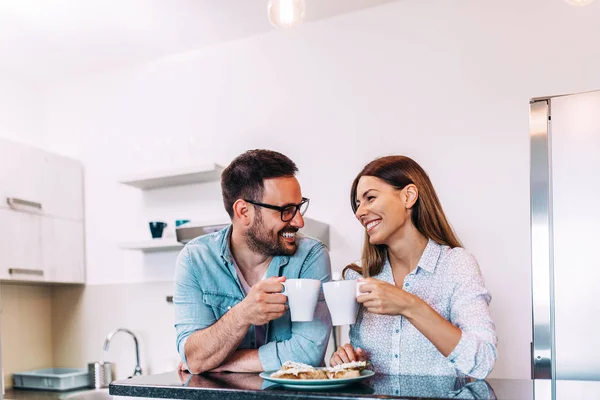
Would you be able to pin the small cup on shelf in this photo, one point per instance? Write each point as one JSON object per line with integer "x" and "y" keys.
{"x": 157, "y": 228}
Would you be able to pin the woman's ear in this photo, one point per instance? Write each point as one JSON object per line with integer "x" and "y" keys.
{"x": 411, "y": 195}
{"x": 241, "y": 212}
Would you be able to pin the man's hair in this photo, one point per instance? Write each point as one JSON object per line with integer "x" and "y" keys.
{"x": 244, "y": 177}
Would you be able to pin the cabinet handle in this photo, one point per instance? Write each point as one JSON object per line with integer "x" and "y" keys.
{"x": 13, "y": 201}
{"x": 26, "y": 271}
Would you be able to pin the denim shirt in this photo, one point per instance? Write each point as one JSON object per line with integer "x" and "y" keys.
{"x": 207, "y": 286}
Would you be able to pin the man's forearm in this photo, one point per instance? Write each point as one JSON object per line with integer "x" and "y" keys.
{"x": 245, "y": 360}
{"x": 208, "y": 348}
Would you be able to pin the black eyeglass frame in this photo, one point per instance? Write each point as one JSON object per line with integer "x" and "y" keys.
{"x": 282, "y": 209}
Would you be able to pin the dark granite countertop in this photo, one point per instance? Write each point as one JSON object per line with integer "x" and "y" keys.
{"x": 222, "y": 386}
{"x": 76, "y": 394}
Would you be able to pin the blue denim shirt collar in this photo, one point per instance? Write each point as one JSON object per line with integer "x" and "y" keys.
{"x": 275, "y": 266}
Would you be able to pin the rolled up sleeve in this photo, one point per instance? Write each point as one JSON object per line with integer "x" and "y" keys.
{"x": 308, "y": 341}
{"x": 475, "y": 353}
{"x": 191, "y": 314}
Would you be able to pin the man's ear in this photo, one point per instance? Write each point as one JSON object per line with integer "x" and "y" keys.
{"x": 411, "y": 195}
{"x": 242, "y": 212}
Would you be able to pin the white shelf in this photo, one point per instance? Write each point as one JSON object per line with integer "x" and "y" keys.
{"x": 313, "y": 228}
{"x": 175, "y": 177}
{"x": 152, "y": 245}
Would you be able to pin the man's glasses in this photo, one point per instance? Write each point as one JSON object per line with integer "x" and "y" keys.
{"x": 287, "y": 212}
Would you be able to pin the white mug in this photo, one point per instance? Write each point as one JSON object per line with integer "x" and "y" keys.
{"x": 341, "y": 301}
{"x": 302, "y": 295}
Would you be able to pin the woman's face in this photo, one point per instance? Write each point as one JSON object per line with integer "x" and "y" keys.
{"x": 382, "y": 209}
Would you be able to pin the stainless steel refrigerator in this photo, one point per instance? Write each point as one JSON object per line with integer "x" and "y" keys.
{"x": 565, "y": 236}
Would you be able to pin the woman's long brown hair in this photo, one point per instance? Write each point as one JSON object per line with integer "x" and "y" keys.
{"x": 427, "y": 214}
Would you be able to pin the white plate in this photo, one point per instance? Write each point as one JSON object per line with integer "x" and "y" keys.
{"x": 316, "y": 384}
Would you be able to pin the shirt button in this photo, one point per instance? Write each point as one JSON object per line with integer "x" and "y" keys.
{"x": 397, "y": 330}
{"x": 406, "y": 284}
{"x": 452, "y": 361}
{"x": 396, "y": 355}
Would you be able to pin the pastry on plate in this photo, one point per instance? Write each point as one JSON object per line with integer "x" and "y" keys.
{"x": 346, "y": 370}
{"x": 294, "y": 365}
{"x": 294, "y": 370}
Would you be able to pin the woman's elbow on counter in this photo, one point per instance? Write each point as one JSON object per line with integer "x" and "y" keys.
{"x": 485, "y": 364}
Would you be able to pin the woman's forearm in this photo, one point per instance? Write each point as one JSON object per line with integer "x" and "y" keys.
{"x": 443, "y": 334}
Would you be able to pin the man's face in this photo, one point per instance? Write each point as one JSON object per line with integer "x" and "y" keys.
{"x": 268, "y": 234}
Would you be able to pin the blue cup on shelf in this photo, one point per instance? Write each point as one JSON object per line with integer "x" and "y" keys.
{"x": 157, "y": 228}
{"x": 179, "y": 222}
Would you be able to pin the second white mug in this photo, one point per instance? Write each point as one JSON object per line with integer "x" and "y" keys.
{"x": 341, "y": 301}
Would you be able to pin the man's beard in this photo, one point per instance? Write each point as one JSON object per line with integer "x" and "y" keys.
{"x": 260, "y": 239}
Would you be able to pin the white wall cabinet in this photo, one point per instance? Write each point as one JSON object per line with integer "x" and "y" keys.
{"x": 62, "y": 187}
{"x": 41, "y": 216}
{"x": 20, "y": 172}
{"x": 20, "y": 246}
{"x": 62, "y": 250}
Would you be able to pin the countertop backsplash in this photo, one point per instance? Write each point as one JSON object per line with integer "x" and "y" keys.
{"x": 85, "y": 315}
{"x": 65, "y": 326}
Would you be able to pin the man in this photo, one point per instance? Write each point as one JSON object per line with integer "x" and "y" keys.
{"x": 230, "y": 314}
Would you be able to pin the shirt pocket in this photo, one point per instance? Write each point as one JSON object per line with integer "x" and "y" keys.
{"x": 220, "y": 302}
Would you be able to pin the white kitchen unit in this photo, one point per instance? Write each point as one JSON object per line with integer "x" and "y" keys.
{"x": 62, "y": 187}
{"x": 20, "y": 172}
{"x": 20, "y": 245}
{"x": 41, "y": 215}
{"x": 63, "y": 250}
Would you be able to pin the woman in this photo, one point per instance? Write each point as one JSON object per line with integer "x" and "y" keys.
{"x": 424, "y": 308}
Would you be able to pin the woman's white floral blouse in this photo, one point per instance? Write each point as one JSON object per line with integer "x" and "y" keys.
{"x": 449, "y": 280}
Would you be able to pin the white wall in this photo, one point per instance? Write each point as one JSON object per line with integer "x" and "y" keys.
{"x": 21, "y": 111}
{"x": 444, "y": 81}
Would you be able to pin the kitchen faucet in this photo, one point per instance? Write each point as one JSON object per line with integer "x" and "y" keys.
{"x": 138, "y": 369}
